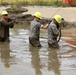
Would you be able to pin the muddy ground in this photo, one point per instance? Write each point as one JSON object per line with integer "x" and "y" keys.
{"x": 24, "y": 14}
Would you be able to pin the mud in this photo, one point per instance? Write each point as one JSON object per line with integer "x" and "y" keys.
{"x": 15, "y": 9}
{"x": 23, "y": 14}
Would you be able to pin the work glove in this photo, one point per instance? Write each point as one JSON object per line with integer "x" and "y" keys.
{"x": 58, "y": 26}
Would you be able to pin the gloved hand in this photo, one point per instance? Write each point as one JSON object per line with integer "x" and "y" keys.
{"x": 58, "y": 26}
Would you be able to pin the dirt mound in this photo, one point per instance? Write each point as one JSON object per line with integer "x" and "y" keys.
{"x": 16, "y": 13}
{"x": 16, "y": 9}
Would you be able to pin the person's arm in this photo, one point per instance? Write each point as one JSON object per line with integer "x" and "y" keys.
{"x": 44, "y": 26}
{"x": 8, "y": 24}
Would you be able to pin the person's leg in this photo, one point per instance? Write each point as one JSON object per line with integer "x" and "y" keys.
{"x": 53, "y": 44}
{"x": 7, "y": 39}
{"x": 2, "y": 39}
{"x": 34, "y": 42}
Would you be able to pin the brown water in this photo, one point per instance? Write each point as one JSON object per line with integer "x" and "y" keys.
{"x": 19, "y": 58}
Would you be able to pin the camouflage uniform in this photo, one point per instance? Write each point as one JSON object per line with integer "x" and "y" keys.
{"x": 52, "y": 34}
{"x": 4, "y": 29}
{"x": 35, "y": 33}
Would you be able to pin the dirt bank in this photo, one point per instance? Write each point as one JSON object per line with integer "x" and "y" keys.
{"x": 68, "y": 13}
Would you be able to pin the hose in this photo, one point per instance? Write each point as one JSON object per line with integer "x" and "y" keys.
{"x": 59, "y": 36}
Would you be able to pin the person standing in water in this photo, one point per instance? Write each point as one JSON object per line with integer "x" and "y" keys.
{"x": 35, "y": 30}
{"x": 5, "y": 24}
{"x": 53, "y": 31}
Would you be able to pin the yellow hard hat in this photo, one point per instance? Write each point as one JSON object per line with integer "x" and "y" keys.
{"x": 57, "y": 73}
{"x": 38, "y": 15}
{"x": 58, "y": 18}
{"x": 38, "y": 73}
{"x": 4, "y": 12}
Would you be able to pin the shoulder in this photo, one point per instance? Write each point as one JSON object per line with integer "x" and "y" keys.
{"x": 36, "y": 23}
{"x": 52, "y": 25}
{"x": 33, "y": 22}
{"x": 1, "y": 21}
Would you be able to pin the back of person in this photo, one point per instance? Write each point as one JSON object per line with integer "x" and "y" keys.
{"x": 35, "y": 29}
{"x": 53, "y": 31}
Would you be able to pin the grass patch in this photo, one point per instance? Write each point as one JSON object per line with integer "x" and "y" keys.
{"x": 38, "y": 2}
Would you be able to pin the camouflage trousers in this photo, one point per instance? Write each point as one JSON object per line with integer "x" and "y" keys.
{"x": 53, "y": 43}
{"x": 34, "y": 41}
{"x": 4, "y": 39}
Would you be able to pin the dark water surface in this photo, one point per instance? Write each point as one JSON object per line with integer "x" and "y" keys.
{"x": 19, "y": 58}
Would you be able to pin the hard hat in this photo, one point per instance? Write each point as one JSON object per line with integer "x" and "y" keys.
{"x": 57, "y": 73}
{"x": 39, "y": 73}
{"x": 4, "y": 12}
{"x": 38, "y": 15}
{"x": 58, "y": 18}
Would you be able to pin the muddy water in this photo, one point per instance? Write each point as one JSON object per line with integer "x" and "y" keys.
{"x": 19, "y": 58}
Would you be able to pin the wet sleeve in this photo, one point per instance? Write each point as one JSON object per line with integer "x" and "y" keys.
{"x": 55, "y": 30}
{"x": 8, "y": 24}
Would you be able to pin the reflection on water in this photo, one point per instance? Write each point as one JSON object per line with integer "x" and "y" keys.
{"x": 35, "y": 60}
{"x": 23, "y": 59}
{"x": 53, "y": 61}
{"x": 6, "y": 58}
{"x": 5, "y": 54}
